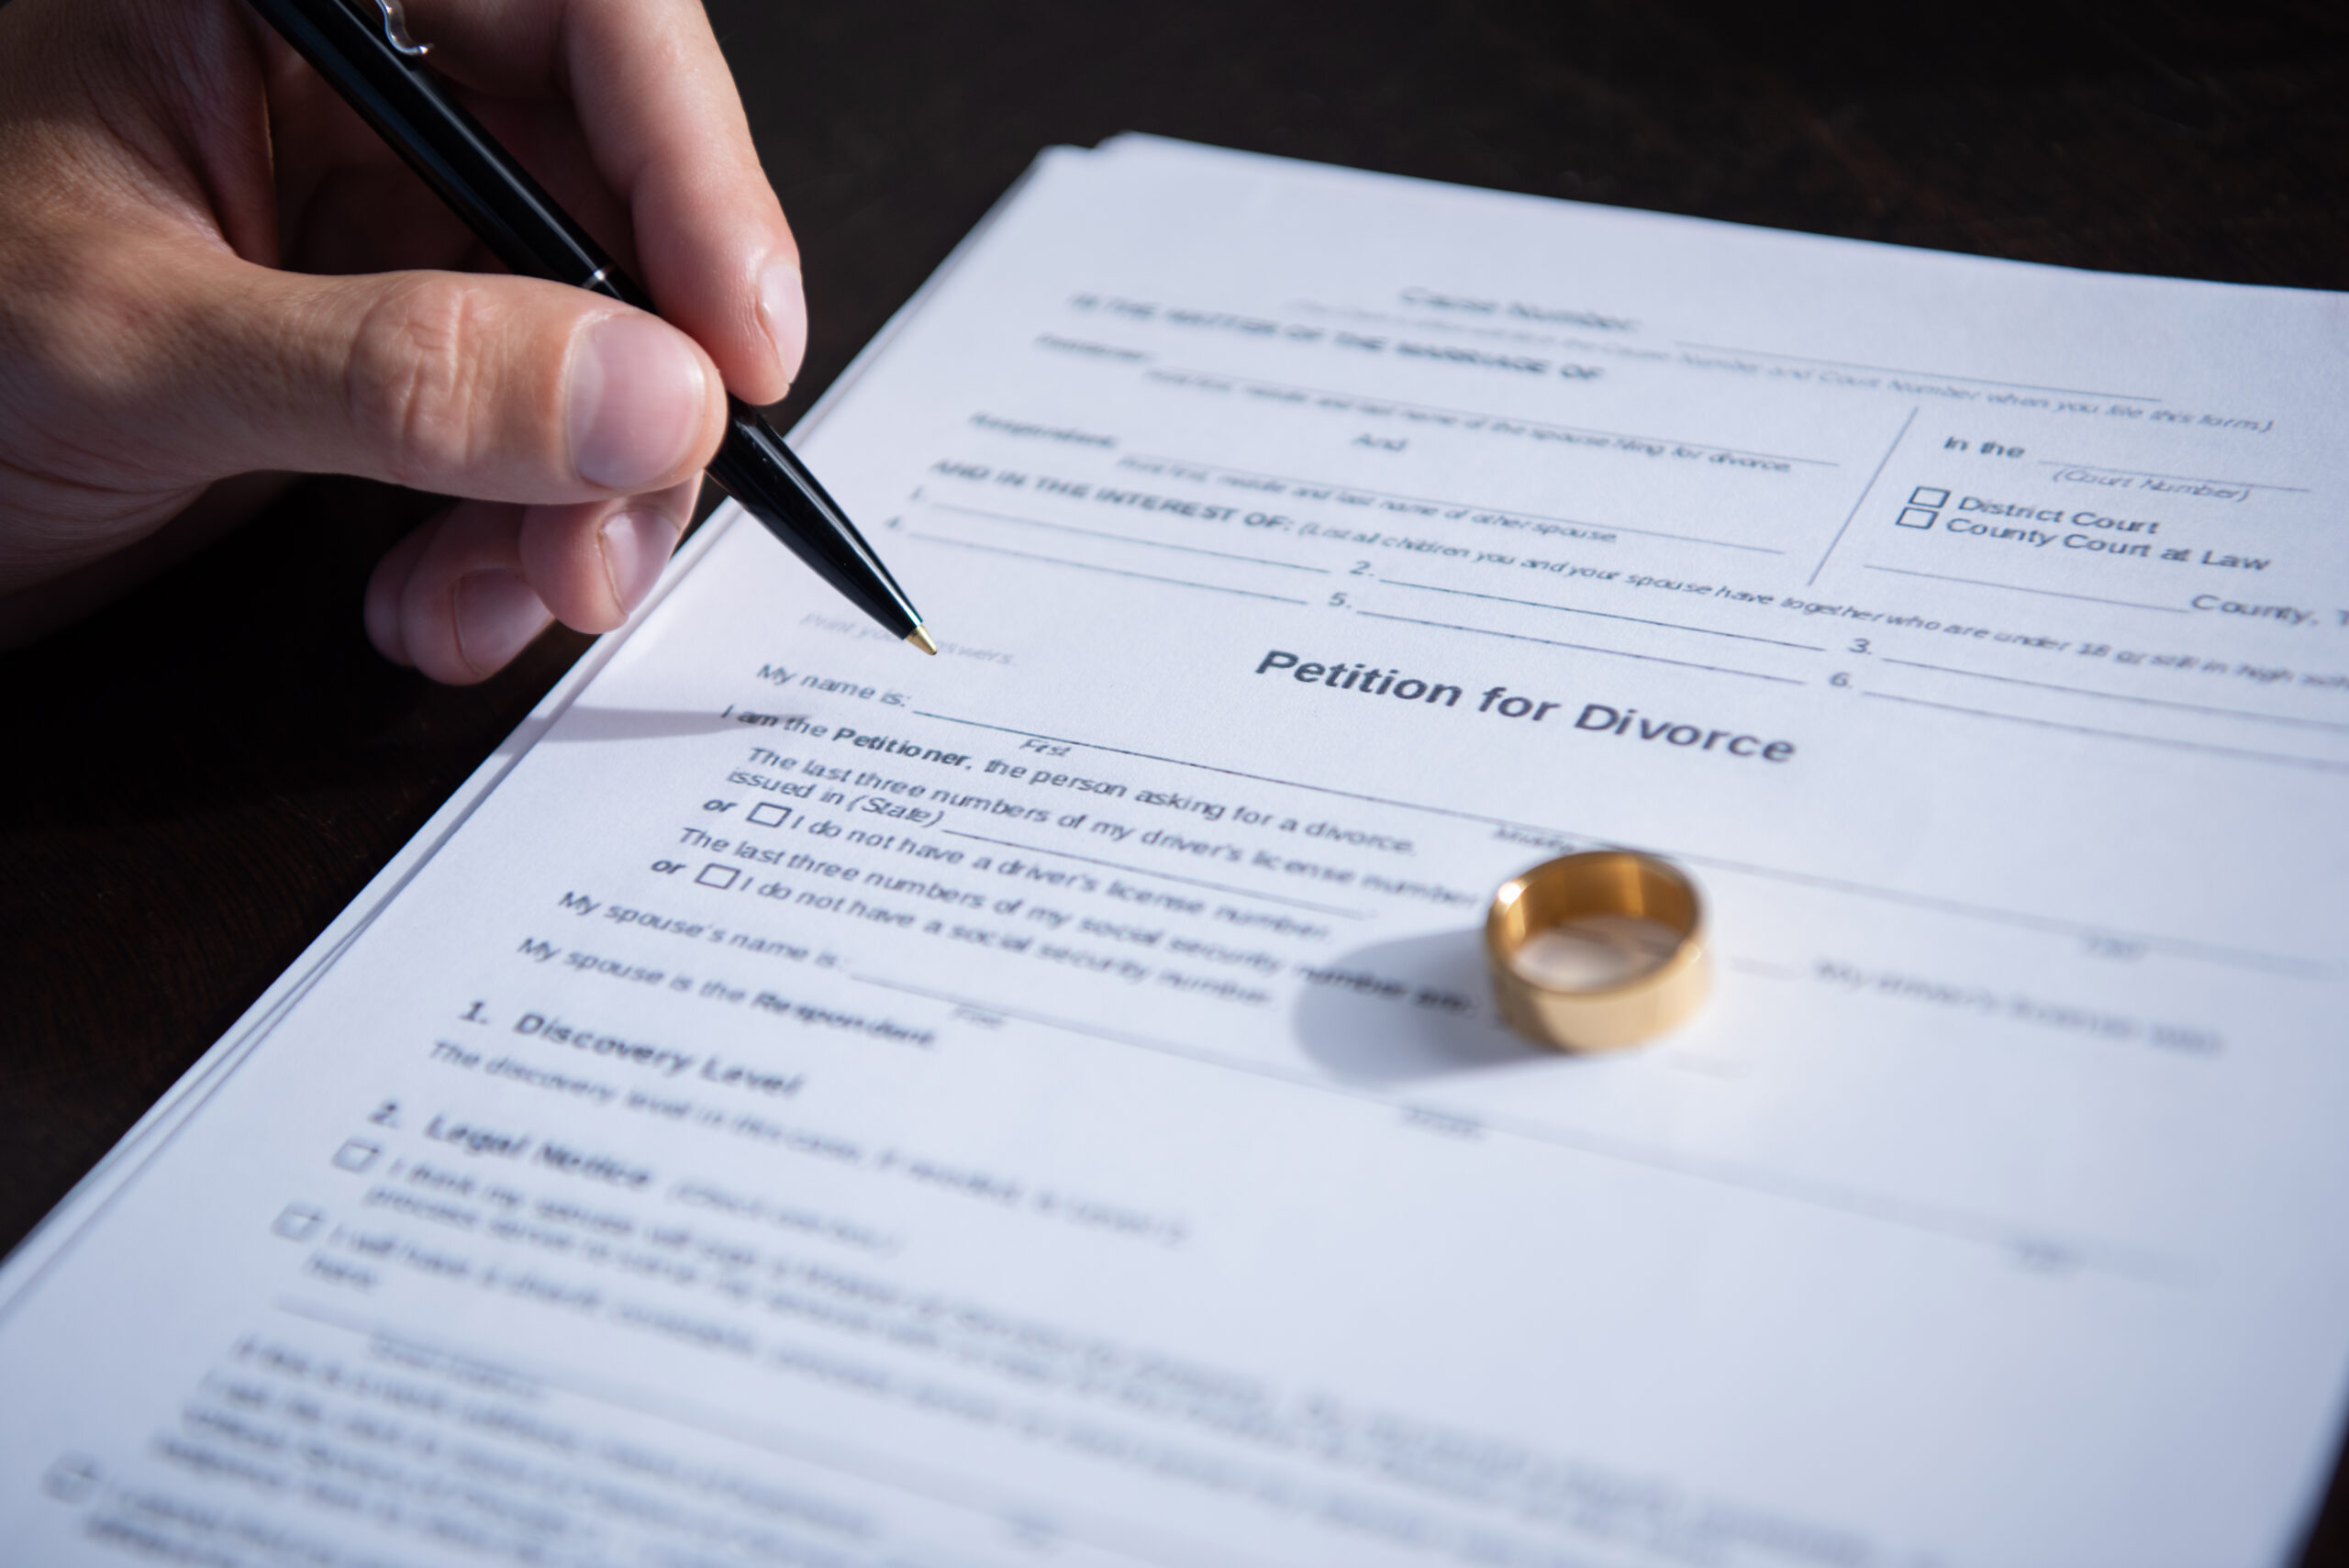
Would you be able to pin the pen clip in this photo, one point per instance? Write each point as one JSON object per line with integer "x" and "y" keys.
{"x": 395, "y": 30}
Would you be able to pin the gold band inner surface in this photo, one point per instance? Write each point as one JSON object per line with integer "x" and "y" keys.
{"x": 1642, "y": 910}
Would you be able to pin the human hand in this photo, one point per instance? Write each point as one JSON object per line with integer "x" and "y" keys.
{"x": 210, "y": 267}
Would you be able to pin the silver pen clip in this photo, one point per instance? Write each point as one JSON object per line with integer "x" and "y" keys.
{"x": 395, "y": 30}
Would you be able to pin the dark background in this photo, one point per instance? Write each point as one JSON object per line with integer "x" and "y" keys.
{"x": 192, "y": 783}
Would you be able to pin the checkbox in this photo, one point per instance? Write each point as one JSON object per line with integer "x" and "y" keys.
{"x": 718, "y": 876}
{"x": 357, "y": 1154}
{"x": 767, "y": 814}
{"x": 1926, "y": 495}
{"x": 1915, "y": 517}
{"x": 297, "y": 1222}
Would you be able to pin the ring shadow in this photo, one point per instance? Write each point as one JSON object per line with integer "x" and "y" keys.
{"x": 1420, "y": 1007}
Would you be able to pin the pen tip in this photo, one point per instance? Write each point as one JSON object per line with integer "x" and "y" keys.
{"x": 919, "y": 637}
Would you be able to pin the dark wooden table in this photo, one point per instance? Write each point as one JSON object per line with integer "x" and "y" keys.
{"x": 199, "y": 778}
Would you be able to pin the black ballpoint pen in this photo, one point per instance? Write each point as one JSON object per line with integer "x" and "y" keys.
{"x": 364, "y": 51}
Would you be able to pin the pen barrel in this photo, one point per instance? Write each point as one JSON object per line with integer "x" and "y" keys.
{"x": 449, "y": 148}
{"x": 776, "y": 488}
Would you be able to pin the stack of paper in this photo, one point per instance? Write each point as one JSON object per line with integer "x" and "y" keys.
{"x": 806, "y": 1103}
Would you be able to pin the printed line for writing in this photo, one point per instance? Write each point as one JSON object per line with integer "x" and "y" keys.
{"x": 1162, "y": 370}
{"x": 1164, "y": 876}
{"x": 1930, "y": 375}
{"x": 1124, "y": 538}
{"x": 2318, "y": 764}
{"x": 823, "y": 1452}
{"x": 2019, "y": 588}
{"x": 2125, "y": 696}
{"x": 1949, "y": 1224}
{"x": 1477, "y": 817}
{"x": 1463, "y": 505}
{"x": 2184, "y": 947}
{"x": 1526, "y": 331}
{"x": 1586, "y": 648}
{"x": 2181, "y": 478}
{"x": 1603, "y": 615}
{"x": 1118, "y": 351}
{"x": 1865, "y": 491}
{"x": 1111, "y": 571}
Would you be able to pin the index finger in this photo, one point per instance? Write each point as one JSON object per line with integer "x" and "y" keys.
{"x": 664, "y": 122}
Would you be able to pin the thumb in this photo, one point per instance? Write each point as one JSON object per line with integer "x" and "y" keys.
{"x": 493, "y": 388}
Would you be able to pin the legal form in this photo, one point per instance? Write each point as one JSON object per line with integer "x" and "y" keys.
{"x": 803, "y": 1104}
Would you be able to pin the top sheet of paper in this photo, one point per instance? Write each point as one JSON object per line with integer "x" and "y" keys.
{"x": 809, "y": 1104}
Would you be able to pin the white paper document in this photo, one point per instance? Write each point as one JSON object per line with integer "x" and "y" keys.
{"x": 807, "y": 1104}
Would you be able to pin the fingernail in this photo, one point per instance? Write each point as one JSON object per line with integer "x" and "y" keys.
{"x": 636, "y": 545}
{"x": 784, "y": 304}
{"x": 637, "y": 400}
{"x": 496, "y": 618}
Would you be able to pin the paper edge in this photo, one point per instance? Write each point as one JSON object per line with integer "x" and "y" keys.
{"x": 86, "y": 1201}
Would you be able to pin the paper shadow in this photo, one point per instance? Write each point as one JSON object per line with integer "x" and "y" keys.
{"x": 1421, "y": 1007}
{"x": 588, "y": 724}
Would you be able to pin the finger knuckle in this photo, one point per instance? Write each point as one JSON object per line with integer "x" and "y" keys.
{"x": 79, "y": 352}
{"x": 67, "y": 312}
{"x": 421, "y": 376}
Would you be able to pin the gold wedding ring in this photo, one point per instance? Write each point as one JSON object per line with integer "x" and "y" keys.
{"x": 1599, "y": 951}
